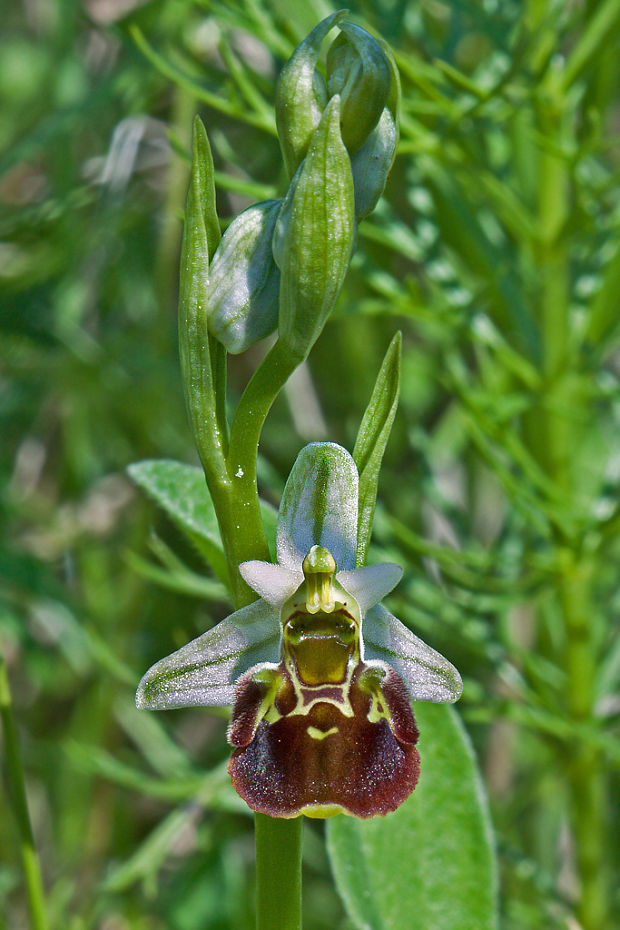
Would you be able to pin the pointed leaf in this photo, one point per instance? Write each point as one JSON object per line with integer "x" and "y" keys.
{"x": 372, "y": 438}
{"x": 430, "y": 864}
{"x": 204, "y": 672}
{"x": 319, "y": 506}
{"x": 428, "y": 675}
{"x": 201, "y": 237}
{"x": 182, "y": 492}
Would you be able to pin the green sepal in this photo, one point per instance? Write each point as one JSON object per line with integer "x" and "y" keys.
{"x": 244, "y": 280}
{"x": 358, "y": 70}
{"x": 372, "y": 438}
{"x": 315, "y": 235}
{"x": 301, "y": 95}
{"x": 319, "y": 506}
{"x": 205, "y": 672}
{"x": 201, "y": 235}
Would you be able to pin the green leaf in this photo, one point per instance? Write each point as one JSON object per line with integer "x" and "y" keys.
{"x": 182, "y": 492}
{"x": 372, "y": 438}
{"x": 430, "y": 864}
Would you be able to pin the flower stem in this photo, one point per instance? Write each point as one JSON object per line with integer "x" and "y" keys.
{"x": 263, "y": 388}
{"x": 278, "y": 873}
{"x": 278, "y": 841}
{"x": 15, "y": 773}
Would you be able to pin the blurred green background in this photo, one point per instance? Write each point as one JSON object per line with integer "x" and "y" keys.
{"x": 495, "y": 250}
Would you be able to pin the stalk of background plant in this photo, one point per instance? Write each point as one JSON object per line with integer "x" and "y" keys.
{"x": 15, "y": 773}
{"x": 553, "y": 437}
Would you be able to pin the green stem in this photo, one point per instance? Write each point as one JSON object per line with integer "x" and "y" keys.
{"x": 236, "y": 498}
{"x": 15, "y": 773}
{"x": 586, "y": 771}
{"x": 278, "y": 872}
{"x": 265, "y": 384}
{"x": 278, "y": 841}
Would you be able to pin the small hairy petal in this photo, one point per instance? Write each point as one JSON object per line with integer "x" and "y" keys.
{"x": 370, "y": 584}
{"x": 274, "y": 583}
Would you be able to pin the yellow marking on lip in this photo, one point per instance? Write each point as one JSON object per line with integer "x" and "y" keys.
{"x": 315, "y": 733}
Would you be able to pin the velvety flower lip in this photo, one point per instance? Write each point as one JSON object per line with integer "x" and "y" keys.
{"x": 320, "y": 674}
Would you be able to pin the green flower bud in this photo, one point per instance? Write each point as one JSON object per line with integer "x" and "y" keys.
{"x": 242, "y": 291}
{"x": 301, "y": 95}
{"x": 358, "y": 70}
{"x": 372, "y": 163}
{"x": 314, "y": 235}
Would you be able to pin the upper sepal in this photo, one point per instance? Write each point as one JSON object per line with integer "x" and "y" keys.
{"x": 319, "y": 506}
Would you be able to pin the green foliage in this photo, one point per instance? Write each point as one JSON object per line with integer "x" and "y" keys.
{"x": 431, "y": 863}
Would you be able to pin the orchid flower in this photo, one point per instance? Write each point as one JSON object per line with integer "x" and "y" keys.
{"x": 320, "y": 674}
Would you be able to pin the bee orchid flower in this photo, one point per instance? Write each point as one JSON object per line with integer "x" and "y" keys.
{"x": 320, "y": 675}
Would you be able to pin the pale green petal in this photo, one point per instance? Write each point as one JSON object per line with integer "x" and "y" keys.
{"x": 370, "y": 584}
{"x": 427, "y": 674}
{"x": 274, "y": 583}
{"x": 319, "y": 506}
{"x": 204, "y": 672}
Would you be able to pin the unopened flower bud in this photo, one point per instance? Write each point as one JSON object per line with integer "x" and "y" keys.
{"x": 301, "y": 95}
{"x": 242, "y": 291}
{"x": 358, "y": 70}
{"x": 314, "y": 235}
{"x": 372, "y": 163}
